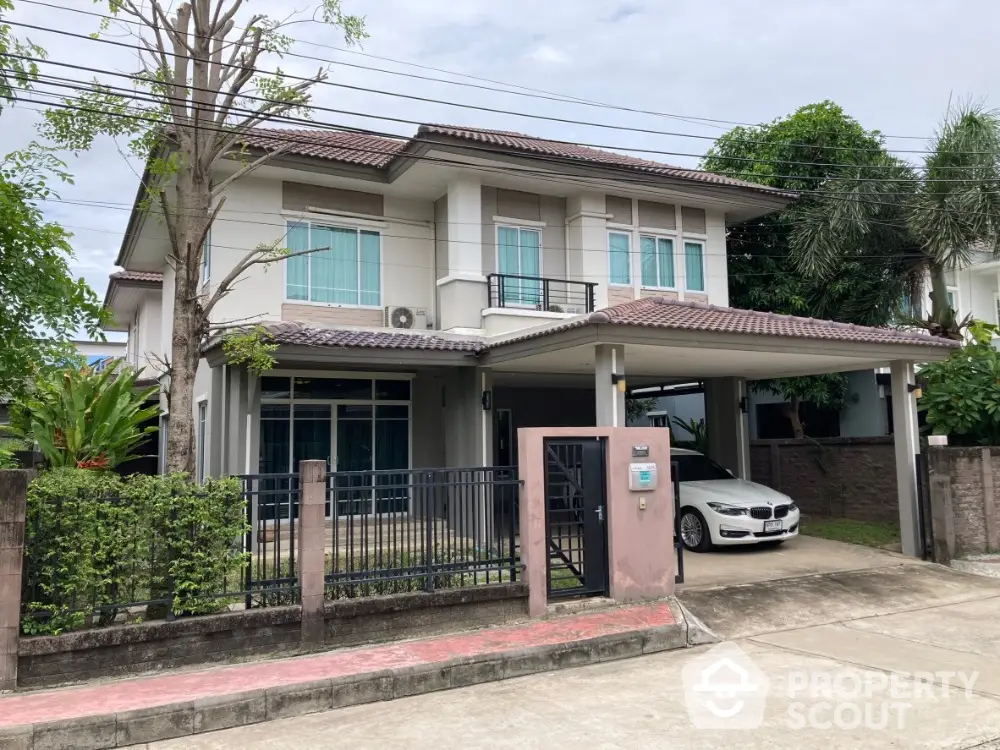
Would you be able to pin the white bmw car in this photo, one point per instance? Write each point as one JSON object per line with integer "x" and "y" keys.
{"x": 719, "y": 509}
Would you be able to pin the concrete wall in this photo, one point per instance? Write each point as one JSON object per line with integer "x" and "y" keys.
{"x": 835, "y": 477}
{"x": 46, "y": 661}
{"x": 963, "y": 495}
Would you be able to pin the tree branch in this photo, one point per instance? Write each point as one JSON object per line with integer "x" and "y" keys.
{"x": 254, "y": 258}
{"x": 244, "y": 171}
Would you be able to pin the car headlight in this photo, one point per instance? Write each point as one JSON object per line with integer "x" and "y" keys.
{"x": 727, "y": 510}
{"x": 792, "y": 506}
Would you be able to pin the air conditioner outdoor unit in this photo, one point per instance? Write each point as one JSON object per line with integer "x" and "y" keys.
{"x": 405, "y": 317}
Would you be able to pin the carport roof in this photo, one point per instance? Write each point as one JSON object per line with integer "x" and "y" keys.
{"x": 663, "y": 313}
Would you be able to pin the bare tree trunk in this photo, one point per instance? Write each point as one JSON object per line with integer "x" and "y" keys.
{"x": 792, "y": 412}
{"x": 189, "y": 326}
{"x": 941, "y": 314}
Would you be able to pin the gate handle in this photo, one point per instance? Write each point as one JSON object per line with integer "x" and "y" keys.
{"x": 600, "y": 512}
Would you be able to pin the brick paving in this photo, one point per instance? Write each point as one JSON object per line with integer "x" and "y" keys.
{"x": 162, "y": 689}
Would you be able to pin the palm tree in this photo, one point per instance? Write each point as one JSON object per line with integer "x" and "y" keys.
{"x": 933, "y": 218}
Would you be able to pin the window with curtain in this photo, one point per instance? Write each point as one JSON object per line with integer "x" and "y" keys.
{"x": 694, "y": 266}
{"x": 657, "y": 261}
{"x": 619, "y": 256}
{"x": 519, "y": 254}
{"x": 346, "y": 271}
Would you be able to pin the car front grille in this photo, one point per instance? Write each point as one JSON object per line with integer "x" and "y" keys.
{"x": 760, "y": 513}
{"x": 781, "y": 511}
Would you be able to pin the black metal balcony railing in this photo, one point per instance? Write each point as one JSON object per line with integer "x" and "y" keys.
{"x": 539, "y": 293}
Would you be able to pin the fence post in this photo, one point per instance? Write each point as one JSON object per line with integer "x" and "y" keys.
{"x": 13, "y": 503}
{"x": 312, "y": 549}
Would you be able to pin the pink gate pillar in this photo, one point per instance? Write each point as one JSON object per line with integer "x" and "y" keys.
{"x": 640, "y": 524}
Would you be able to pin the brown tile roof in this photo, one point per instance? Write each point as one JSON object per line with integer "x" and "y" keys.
{"x": 287, "y": 332}
{"x": 513, "y": 141}
{"x": 349, "y": 148}
{"x": 659, "y": 312}
{"x": 379, "y": 152}
{"x": 143, "y": 276}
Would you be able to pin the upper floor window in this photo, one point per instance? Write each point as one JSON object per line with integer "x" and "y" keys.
{"x": 620, "y": 257}
{"x": 953, "y": 298}
{"x": 346, "y": 268}
{"x": 657, "y": 262}
{"x": 519, "y": 254}
{"x": 694, "y": 266}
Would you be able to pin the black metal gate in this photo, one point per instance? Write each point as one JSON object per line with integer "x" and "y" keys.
{"x": 575, "y": 511}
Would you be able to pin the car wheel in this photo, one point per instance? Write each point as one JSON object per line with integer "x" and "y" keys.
{"x": 694, "y": 531}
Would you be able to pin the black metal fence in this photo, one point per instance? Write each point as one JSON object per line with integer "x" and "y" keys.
{"x": 540, "y": 293}
{"x": 421, "y": 530}
{"x": 272, "y": 502}
{"x": 388, "y": 531}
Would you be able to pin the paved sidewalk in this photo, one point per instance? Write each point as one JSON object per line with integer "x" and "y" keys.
{"x": 126, "y": 708}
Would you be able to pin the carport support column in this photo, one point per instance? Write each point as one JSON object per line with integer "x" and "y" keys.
{"x": 726, "y": 424}
{"x": 609, "y": 363}
{"x": 905, "y": 436}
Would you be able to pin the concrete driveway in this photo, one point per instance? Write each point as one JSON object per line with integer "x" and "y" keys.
{"x": 922, "y": 640}
{"x": 803, "y": 555}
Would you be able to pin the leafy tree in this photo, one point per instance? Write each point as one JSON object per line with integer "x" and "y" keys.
{"x": 15, "y": 70}
{"x": 962, "y": 393}
{"x": 817, "y": 145}
{"x": 202, "y": 86}
{"x": 85, "y": 420}
{"x": 637, "y": 408}
{"x": 41, "y": 306}
{"x": 936, "y": 216}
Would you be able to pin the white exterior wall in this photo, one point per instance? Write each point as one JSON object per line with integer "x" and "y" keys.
{"x": 150, "y": 336}
{"x": 716, "y": 262}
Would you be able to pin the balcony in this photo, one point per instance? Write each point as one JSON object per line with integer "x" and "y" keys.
{"x": 541, "y": 294}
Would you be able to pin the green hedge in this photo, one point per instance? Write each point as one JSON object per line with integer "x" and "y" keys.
{"x": 96, "y": 542}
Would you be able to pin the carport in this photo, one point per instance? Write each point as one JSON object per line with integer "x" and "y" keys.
{"x": 656, "y": 341}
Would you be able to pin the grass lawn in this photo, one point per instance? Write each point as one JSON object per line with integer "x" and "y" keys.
{"x": 869, "y": 533}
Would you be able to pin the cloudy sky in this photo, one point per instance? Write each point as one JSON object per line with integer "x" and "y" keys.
{"x": 892, "y": 64}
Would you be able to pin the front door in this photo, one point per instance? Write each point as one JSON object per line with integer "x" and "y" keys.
{"x": 575, "y": 512}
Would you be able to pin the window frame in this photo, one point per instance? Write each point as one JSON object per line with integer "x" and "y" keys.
{"x": 291, "y": 401}
{"x": 206, "y": 258}
{"x": 357, "y": 229}
{"x": 497, "y": 226}
{"x": 672, "y": 239}
{"x": 630, "y": 235}
{"x": 201, "y": 463}
{"x": 685, "y": 241}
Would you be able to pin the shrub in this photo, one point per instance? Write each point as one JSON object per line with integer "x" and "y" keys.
{"x": 85, "y": 419}
{"x": 97, "y": 543}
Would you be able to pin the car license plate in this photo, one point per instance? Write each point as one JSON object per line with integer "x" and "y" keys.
{"x": 772, "y": 525}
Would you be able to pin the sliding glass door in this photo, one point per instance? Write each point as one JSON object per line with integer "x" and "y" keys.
{"x": 354, "y": 424}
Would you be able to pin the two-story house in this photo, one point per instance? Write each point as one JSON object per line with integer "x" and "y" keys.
{"x": 469, "y": 282}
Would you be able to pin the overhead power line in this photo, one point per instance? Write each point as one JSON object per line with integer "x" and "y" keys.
{"x": 529, "y": 115}
{"x": 78, "y": 85}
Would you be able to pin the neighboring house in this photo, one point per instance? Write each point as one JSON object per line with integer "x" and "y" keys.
{"x": 472, "y": 282}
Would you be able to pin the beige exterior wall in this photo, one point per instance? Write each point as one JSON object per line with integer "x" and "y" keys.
{"x": 324, "y": 315}
{"x": 619, "y": 294}
{"x": 462, "y": 302}
{"x": 407, "y": 250}
{"x": 546, "y": 213}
